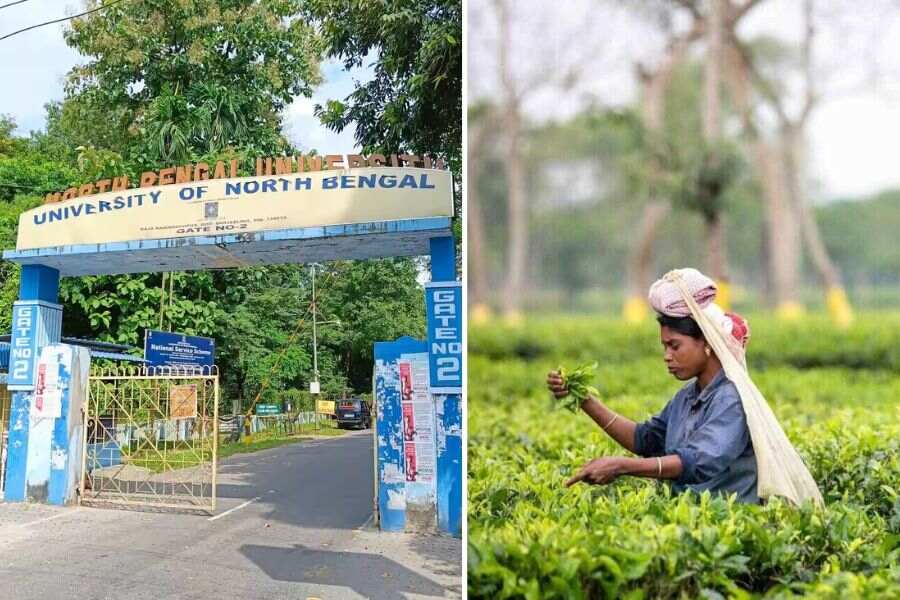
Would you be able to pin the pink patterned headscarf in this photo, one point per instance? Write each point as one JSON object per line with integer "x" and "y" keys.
{"x": 665, "y": 298}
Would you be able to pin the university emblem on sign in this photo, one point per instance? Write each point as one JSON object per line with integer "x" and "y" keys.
{"x": 211, "y": 210}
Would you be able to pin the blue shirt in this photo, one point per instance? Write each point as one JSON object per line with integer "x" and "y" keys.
{"x": 708, "y": 430}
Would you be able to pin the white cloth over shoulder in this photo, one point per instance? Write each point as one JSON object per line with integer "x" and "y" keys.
{"x": 780, "y": 469}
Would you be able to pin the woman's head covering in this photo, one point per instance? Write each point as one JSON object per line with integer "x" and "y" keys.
{"x": 666, "y": 299}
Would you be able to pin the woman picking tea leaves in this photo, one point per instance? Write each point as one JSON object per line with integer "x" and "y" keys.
{"x": 704, "y": 438}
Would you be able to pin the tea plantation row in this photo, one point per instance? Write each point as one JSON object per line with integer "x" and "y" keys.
{"x": 837, "y": 395}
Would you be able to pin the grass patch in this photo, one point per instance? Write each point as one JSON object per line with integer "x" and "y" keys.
{"x": 173, "y": 457}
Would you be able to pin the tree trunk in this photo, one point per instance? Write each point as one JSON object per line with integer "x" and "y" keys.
{"x": 716, "y": 250}
{"x": 640, "y": 254}
{"x": 783, "y": 232}
{"x": 835, "y": 296}
{"x": 479, "y": 307}
{"x": 716, "y": 253}
{"x": 782, "y": 238}
{"x": 638, "y": 276}
{"x": 516, "y": 207}
{"x": 517, "y": 218}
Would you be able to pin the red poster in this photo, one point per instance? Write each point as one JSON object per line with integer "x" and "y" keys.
{"x": 39, "y": 388}
{"x": 406, "y": 388}
{"x": 409, "y": 429}
{"x": 409, "y": 451}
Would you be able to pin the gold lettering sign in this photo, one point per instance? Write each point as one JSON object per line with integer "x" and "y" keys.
{"x": 243, "y": 205}
{"x": 279, "y": 165}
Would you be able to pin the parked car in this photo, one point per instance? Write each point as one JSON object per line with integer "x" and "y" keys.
{"x": 353, "y": 412}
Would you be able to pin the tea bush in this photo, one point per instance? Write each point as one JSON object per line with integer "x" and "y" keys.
{"x": 837, "y": 396}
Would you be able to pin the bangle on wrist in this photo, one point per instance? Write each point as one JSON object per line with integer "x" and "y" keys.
{"x": 658, "y": 468}
{"x": 611, "y": 421}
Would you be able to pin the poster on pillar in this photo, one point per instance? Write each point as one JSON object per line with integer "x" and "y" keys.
{"x": 417, "y": 410}
{"x": 443, "y": 305}
{"x": 47, "y": 392}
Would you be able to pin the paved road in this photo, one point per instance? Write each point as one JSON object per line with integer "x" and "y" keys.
{"x": 305, "y": 534}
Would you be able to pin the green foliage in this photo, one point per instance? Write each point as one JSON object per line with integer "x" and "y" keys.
{"x": 530, "y": 537}
{"x": 870, "y": 344}
{"x": 374, "y": 300}
{"x": 119, "y": 308}
{"x": 414, "y": 99}
{"x": 169, "y": 80}
{"x": 25, "y": 171}
{"x": 861, "y": 237}
{"x": 413, "y": 102}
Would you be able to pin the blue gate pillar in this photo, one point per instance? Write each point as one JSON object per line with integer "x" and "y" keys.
{"x": 444, "y": 309}
{"x": 36, "y": 323}
{"x": 395, "y": 475}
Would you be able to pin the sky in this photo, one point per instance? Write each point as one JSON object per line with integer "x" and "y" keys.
{"x": 33, "y": 66}
{"x": 853, "y": 141}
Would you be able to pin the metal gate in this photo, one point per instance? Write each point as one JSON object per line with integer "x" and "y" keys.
{"x": 151, "y": 437}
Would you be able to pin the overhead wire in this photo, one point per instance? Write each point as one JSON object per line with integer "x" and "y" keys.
{"x": 60, "y": 20}
{"x": 300, "y": 323}
{"x": 2, "y": 6}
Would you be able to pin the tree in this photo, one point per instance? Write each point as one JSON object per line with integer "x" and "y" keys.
{"x": 375, "y": 300}
{"x": 789, "y": 205}
{"x": 712, "y": 133}
{"x": 167, "y": 80}
{"x": 654, "y": 88}
{"x": 475, "y": 231}
{"x": 170, "y": 81}
{"x": 414, "y": 100}
{"x": 559, "y": 47}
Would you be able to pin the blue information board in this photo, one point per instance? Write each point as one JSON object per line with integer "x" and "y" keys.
{"x": 167, "y": 349}
{"x": 443, "y": 306}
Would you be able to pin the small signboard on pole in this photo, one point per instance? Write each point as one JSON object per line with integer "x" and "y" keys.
{"x": 183, "y": 401}
{"x": 325, "y": 407}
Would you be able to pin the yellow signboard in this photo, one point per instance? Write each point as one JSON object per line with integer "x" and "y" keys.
{"x": 183, "y": 401}
{"x": 325, "y": 407}
{"x": 242, "y": 205}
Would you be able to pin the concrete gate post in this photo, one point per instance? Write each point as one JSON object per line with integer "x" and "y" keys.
{"x": 36, "y": 323}
{"x": 444, "y": 309}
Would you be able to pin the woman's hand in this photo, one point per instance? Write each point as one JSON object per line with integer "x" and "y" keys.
{"x": 556, "y": 385}
{"x": 599, "y": 471}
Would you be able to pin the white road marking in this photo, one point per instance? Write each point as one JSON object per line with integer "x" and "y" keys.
{"x": 231, "y": 510}
{"x": 51, "y": 517}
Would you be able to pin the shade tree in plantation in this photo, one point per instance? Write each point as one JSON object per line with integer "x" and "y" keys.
{"x": 761, "y": 65}
{"x": 559, "y": 47}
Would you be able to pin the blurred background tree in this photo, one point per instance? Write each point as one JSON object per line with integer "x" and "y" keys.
{"x": 690, "y": 146}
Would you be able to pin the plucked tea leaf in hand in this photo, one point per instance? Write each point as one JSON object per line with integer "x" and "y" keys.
{"x": 578, "y": 382}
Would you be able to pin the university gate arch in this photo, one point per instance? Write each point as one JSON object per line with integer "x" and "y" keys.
{"x": 288, "y": 216}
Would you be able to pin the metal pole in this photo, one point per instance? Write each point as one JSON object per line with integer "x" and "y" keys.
{"x": 162, "y": 301}
{"x": 315, "y": 309}
{"x": 171, "y": 293}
